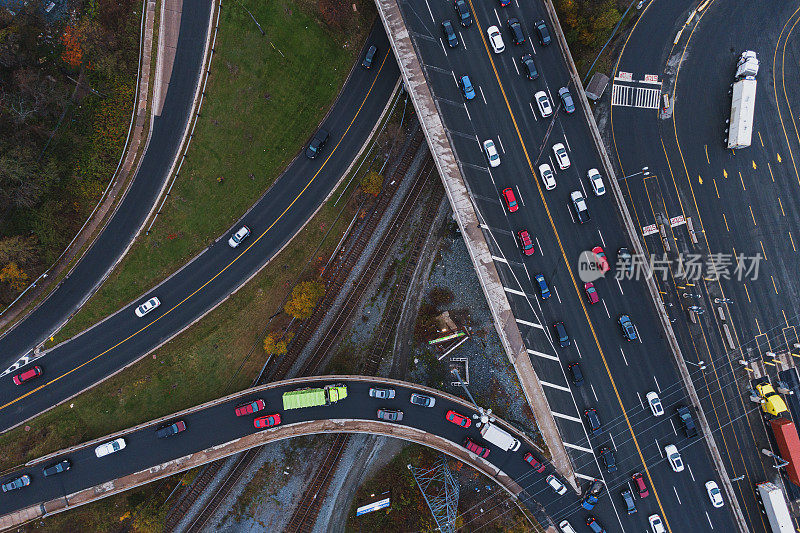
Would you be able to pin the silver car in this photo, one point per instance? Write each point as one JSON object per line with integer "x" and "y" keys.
{"x": 382, "y": 394}
{"x": 390, "y": 415}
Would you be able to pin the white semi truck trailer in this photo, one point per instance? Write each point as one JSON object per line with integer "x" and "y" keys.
{"x": 743, "y": 101}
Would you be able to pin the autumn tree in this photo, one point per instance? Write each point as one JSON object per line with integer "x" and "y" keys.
{"x": 277, "y": 345}
{"x": 335, "y": 13}
{"x": 372, "y": 183}
{"x": 14, "y": 277}
{"x": 73, "y": 52}
{"x": 304, "y": 298}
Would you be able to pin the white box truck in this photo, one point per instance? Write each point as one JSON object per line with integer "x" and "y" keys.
{"x": 499, "y": 437}
{"x": 780, "y": 521}
{"x": 743, "y": 101}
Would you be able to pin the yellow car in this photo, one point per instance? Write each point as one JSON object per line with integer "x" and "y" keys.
{"x": 773, "y": 403}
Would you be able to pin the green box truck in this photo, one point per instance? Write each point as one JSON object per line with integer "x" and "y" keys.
{"x": 313, "y": 397}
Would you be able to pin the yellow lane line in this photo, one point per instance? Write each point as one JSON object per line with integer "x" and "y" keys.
{"x": 726, "y": 222}
{"x": 781, "y": 206}
{"x": 569, "y": 269}
{"x": 775, "y": 91}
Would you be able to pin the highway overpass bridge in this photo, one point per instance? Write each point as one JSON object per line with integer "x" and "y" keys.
{"x": 213, "y": 431}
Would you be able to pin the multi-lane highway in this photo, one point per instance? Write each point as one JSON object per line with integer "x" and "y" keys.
{"x": 214, "y": 274}
{"x": 142, "y": 193}
{"x": 618, "y": 373}
{"x": 743, "y": 203}
{"x": 217, "y": 423}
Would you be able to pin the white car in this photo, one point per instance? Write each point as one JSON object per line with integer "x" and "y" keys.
{"x": 237, "y": 238}
{"x": 674, "y": 457}
{"x": 566, "y": 527}
{"x": 554, "y": 482}
{"x": 548, "y": 178}
{"x": 561, "y": 156}
{"x": 656, "y": 524}
{"x": 543, "y": 102}
{"x": 496, "y": 39}
{"x": 714, "y": 494}
{"x": 596, "y": 180}
{"x": 655, "y": 403}
{"x": 110, "y": 447}
{"x": 491, "y": 153}
{"x": 148, "y": 306}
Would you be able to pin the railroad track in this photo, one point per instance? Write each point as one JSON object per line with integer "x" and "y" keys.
{"x": 307, "y": 509}
{"x": 242, "y": 465}
{"x": 305, "y": 515}
{"x": 334, "y": 277}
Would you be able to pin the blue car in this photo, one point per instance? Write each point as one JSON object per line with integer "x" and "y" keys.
{"x": 544, "y": 290}
{"x": 628, "y": 330}
{"x": 467, "y": 88}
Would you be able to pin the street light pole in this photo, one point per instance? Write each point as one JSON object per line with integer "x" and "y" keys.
{"x": 645, "y": 170}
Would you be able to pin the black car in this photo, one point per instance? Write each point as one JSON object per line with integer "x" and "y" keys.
{"x": 609, "y": 459}
{"x": 171, "y": 429}
{"x": 464, "y": 15}
{"x": 580, "y": 207}
{"x": 543, "y": 33}
{"x": 561, "y": 334}
{"x": 577, "y": 373}
{"x": 566, "y": 99}
{"x": 515, "y": 28}
{"x": 57, "y": 468}
{"x": 369, "y": 56}
{"x": 687, "y": 421}
{"x": 317, "y": 143}
{"x": 627, "y": 496}
{"x": 449, "y": 33}
{"x": 16, "y": 483}
{"x": 593, "y": 419}
{"x": 529, "y": 67}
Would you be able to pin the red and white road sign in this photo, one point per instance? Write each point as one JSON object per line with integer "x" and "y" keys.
{"x": 677, "y": 221}
{"x": 624, "y": 76}
{"x": 651, "y": 78}
{"x": 649, "y": 230}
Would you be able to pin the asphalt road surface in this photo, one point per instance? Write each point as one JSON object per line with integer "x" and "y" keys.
{"x": 218, "y": 424}
{"x": 141, "y": 195}
{"x": 214, "y": 274}
{"x": 745, "y": 202}
{"x": 618, "y": 373}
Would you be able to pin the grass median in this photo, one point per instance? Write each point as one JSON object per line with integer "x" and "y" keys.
{"x": 265, "y": 97}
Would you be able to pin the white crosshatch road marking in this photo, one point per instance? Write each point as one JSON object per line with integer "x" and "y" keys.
{"x": 630, "y": 96}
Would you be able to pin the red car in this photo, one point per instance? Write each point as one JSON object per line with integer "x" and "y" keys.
{"x": 525, "y": 242}
{"x": 480, "y": 451}
{"x": 511, "y": 201}
{"x": 267, "y": 421}
{"x": 457, "y": 419}
{"x": 531, "y": 460}
{"x": 602, "y": 262}
{"x": 250, "y": 407}
{"x": 29, "y": 374}
{"x": 591, "y": 292}
{"x": 638, "y": 480}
